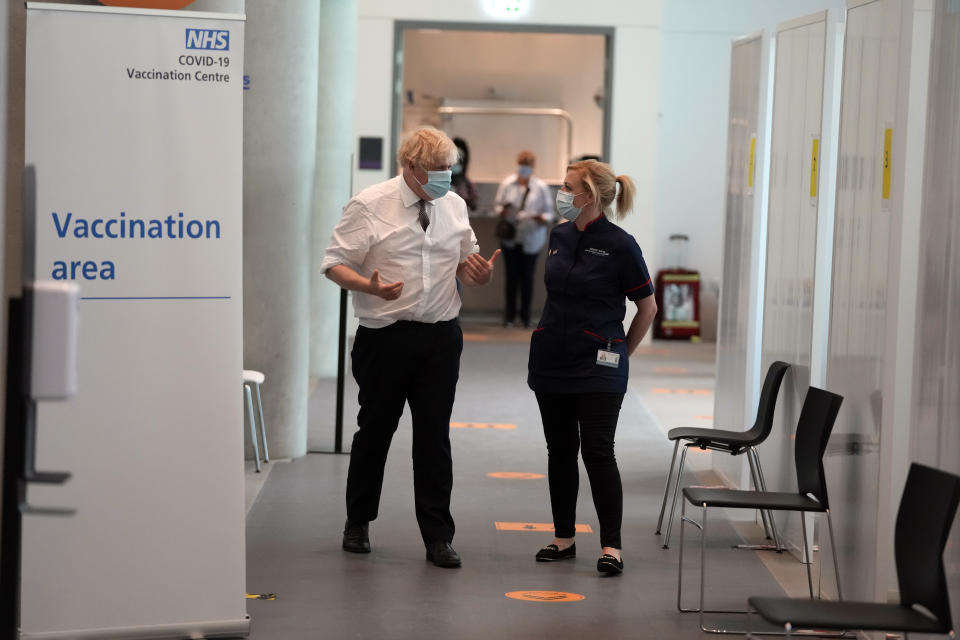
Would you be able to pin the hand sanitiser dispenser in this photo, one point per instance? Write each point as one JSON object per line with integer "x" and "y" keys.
{"x": 54, "y": 325}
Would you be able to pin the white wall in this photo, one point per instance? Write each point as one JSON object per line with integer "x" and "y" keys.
{"x": 694, "y": 98}
{"x": 636, "y": 70}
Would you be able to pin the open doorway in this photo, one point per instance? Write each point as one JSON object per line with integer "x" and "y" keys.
{"x": 503, "y": 89}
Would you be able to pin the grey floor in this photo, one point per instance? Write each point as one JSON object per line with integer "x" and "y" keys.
{"x": 294, "y": 529}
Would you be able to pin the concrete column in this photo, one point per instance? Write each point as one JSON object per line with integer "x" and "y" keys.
{"x": 279, "y": 131}
{"x": 336, "y": 80}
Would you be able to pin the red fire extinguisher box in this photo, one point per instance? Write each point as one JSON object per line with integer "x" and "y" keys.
{"x": 678, "y": 302}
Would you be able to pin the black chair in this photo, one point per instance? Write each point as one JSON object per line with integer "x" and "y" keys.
{"x": 732, "y": 442}
{"x": 927, "y": 508}
{"x": 817, "y": 416}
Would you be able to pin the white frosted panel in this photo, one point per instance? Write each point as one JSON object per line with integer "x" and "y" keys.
{"x": 936, "y": 409}
{"x": 732, "y": 333}
{"x": 792, "y": 244}
{"x": 855, "y": 366}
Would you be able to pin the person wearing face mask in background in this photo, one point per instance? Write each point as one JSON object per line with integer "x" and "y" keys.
{"x": 401, "y": 245}
{"x": 579, "y": 353}
{"x": 460, "y": 183}
{"x": 523, "y": 200}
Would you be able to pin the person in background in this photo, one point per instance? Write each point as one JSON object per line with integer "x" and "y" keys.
{"x": 522, "y": 199}
{"x": 401, "y": 245}
{"x": 460, "y": 184}
{"x": 579, "y": 353}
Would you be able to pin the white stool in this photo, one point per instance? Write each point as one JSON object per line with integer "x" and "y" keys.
{"x": 255, "y": 379}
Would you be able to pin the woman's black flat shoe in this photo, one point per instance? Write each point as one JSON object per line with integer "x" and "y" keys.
{"x": 552, "y": 552}
{"x": 609, "y": 565}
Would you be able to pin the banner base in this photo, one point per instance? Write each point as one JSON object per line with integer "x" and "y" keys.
{"x": 218, "y": 629}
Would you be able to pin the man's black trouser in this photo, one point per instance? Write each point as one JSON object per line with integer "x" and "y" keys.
{"x": 419, "y": 364}
{"x": 520, "y": 269}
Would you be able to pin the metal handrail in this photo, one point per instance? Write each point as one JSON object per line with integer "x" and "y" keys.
{"x": 516, "y": 111}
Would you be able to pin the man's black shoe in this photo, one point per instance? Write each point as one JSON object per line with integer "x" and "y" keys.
{"x": 442, "y": 554}
{"x": 355, "y": 538}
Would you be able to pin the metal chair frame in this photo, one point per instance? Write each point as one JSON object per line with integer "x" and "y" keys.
{"x": 702, "y": 526}
{"x": 814, "y": 426}
{"x": 760, "y": 431}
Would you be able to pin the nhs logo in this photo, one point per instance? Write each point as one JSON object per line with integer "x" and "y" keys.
{"x": 208, "y": 39}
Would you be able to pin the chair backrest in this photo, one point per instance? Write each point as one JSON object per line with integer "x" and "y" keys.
{"x": 927, "y": 508}
{"x": 817, "y": 416}
{"x": 768, "y": 402}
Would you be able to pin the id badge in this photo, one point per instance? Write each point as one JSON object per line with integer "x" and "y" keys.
{"x": 608, "y": 358}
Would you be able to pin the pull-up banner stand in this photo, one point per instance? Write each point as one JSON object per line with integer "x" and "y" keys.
{"x": 134, "y": 124}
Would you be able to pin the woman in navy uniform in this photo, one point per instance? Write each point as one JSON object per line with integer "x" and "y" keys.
{"x": 579, "y": 353}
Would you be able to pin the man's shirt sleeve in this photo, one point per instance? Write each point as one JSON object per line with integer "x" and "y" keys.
{"x": 351, "y": 240}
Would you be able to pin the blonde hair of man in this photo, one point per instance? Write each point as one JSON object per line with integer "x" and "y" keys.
{"x": 427, "y": 148}
{"x": 602, "y": 183}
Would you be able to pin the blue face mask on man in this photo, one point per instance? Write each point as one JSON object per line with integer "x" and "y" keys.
{"x": 524, "y": 171}
{"x": 437, "y": 184}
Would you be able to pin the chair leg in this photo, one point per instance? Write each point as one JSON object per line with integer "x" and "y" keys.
{"x": 253, "y": 426}
{"x": 683, "y": 521}
{"x": 765, "y": 515}
{"x": 763, "y": 487}
{"x": 754, "y": 459}
{"x": 703, "y": 562}
{"x": 263, "y": 426}
{"x": 806, "y": 547}
{"x": 666, "y": 488}
{"x": 676, "y": 495}
{"x": 833, "y": 552}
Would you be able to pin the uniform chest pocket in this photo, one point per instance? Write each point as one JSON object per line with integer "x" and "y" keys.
{"x": 593, "y": 276}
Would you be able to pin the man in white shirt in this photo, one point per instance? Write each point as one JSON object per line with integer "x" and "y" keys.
{"x": 524, "y": 200}
{"x": 400, "y": 246}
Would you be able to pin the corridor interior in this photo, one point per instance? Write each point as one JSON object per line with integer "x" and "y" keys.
{"x": 295, "y": 518}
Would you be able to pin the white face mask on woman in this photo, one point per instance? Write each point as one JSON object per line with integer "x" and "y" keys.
{"x": 565, "y": 205}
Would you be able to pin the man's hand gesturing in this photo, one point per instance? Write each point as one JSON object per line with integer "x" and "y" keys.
{"x": 385, "y": 290}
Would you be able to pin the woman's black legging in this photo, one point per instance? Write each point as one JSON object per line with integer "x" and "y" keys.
{"x": 584, "y": 422}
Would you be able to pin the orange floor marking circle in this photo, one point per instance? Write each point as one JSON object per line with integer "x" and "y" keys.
{"x": 544, "y": 596}
{"x": 515, "y": 475}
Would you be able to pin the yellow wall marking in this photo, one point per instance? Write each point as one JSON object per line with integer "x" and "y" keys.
{"x": 481, "y": 425}
{"x": 814, "y": 167}
{"x": 753, "y": 160}
{"x": 261, "y": 596}
{"x": 887, "y": 151}
{"x": 537, "y": 526}
{"x": 516, "y": 475}
{"x": 544, "y": 596}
